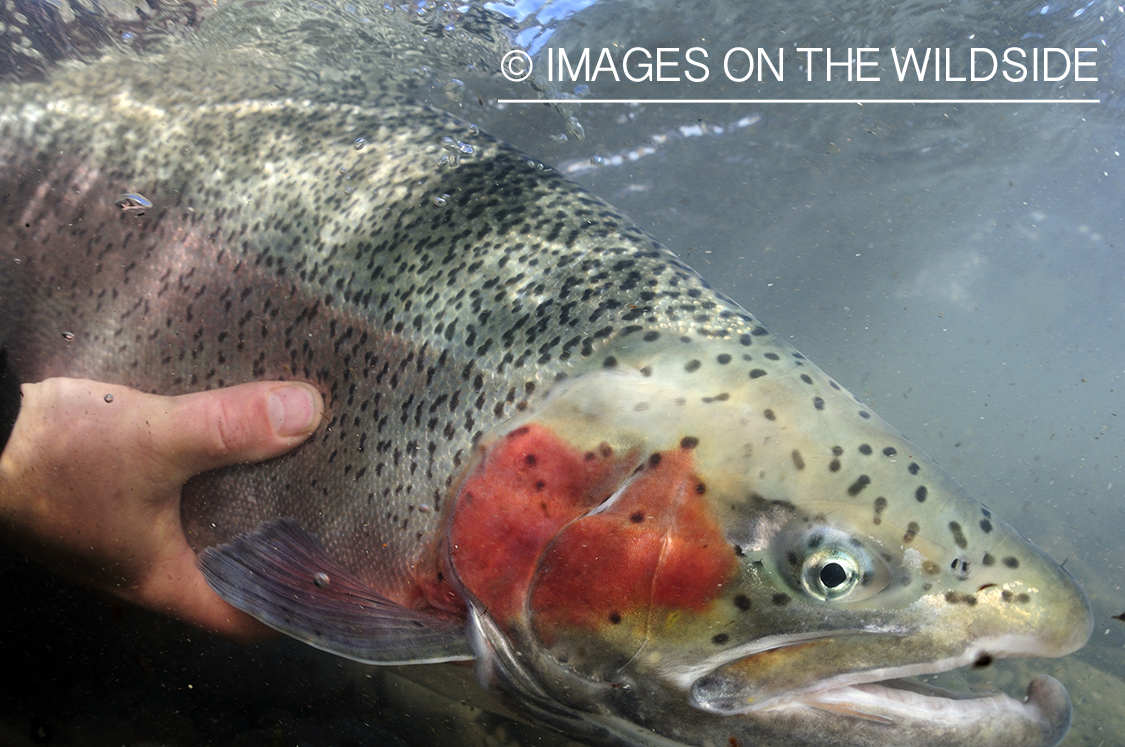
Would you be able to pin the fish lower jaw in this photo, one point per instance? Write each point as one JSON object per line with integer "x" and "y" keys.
{"x": 882, "y": 698}
{"x": 881, "y": 701}
{"x": 934, "y": 715}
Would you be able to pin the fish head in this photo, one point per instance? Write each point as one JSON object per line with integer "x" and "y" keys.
{"x": 693, "y": 548}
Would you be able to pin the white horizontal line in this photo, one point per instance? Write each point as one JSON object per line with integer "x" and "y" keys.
{"x": 860, "y": 102}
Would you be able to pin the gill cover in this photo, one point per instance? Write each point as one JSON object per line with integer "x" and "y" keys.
{"x": 583, "y": 538}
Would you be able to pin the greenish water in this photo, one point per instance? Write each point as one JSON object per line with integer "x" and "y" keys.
{"x": 959, "y": 267}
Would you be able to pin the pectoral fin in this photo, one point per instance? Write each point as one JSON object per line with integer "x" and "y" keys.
{"x": 283, "y": 576}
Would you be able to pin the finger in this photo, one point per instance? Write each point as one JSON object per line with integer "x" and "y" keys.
{"x": 245, "y": 423}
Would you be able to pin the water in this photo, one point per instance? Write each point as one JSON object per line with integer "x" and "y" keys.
{"x": 961, "y": 268}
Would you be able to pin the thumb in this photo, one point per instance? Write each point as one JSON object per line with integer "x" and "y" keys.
{"x": 204, "y": 431}
{"x": 245, "y": 423}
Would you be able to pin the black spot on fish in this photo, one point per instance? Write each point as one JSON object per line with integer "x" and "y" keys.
{"x": 865, "y": 449}
{"x": 615, "y": 618}
{"x": 654, "y": 459}
{"x": 769, "y": 414}
{"x": 806, "y": 378}
{"x": 818, "y": 403}
{"x": 890, "y": 451}
{"x": 834, "y": 465}
{"x": 958, "y": 535}
{"x": 985, "y": 525}
{"x": 723, "y": 359}
{"x": 780, "y": 600}
{"x": 914, "y": 468}
{"x": 798, "y": 461}
{"x": 912, "y": 530}
{"x": 757, "y": 373}
{"x": 637, "y": 517}
{"x": 1011, "y": 562}
{"x": 920, "y": 494}
{"x": 864, "y": 414}
{"x": 689, "y": 442}
{"x": 610, "y": 362}
{"x": 692, "y": 366}
{"x": 988, "y": 559}
{"x": 720, "y": 638}
{"x": 856, "y": 487}
{"x": 743, "y": 603}
{"x": 880, "y": 506}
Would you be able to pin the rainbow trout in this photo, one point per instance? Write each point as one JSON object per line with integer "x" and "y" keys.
{"x": 552, "y": 447}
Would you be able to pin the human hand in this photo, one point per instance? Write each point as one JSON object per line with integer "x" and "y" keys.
{"x": 90, "y": 483}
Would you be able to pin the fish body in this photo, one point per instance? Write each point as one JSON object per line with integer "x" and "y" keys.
{"x": 551, "y": 446}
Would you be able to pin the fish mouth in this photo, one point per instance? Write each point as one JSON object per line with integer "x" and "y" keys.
{"x": 1046, "y": 701}
{"x": 885, "y": 697}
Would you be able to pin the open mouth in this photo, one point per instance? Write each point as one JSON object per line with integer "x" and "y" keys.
{"x": 889, "y": 701}
{"x": 756, "y": 685}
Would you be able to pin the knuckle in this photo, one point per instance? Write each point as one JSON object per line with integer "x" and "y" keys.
{"x": 226, "y": 428}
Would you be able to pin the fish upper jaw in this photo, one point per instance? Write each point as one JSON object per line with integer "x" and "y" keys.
{"x": 740, "y": 686}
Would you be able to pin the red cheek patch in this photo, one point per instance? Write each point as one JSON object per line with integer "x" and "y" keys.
{"x": 528, "y": 485}
{"x": 656, "y": 546}
{"x": 525, "y": 530}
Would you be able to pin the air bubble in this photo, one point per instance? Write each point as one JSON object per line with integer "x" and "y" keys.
{"x": 133, "y": 201}
{"x": 454, "y": 90}
{"x": 441, "y": 199}
{"x": 359, "y": 143}
{"x": 68, "y": 336}
{"x": 575, "y": 128}
{"x": 321, "y": 579}
{"x": 108, "y": 398}
{"x": 473, "y": 130}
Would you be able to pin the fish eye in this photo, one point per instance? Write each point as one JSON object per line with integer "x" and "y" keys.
{"x": 830, "y": 565}
{"x": 830, "y": 574}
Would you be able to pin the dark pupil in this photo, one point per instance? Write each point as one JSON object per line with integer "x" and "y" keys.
{"x": 832, "y": 575}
